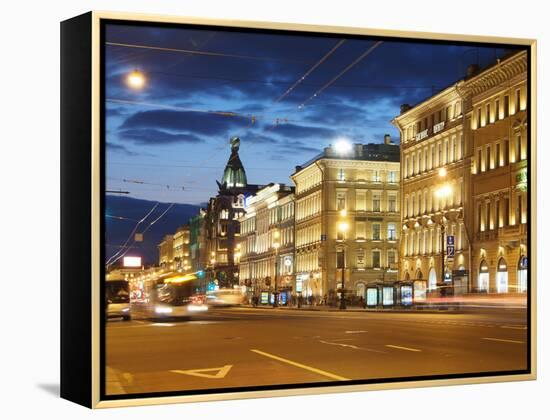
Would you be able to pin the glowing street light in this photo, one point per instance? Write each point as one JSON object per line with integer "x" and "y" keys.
{"x": 444, "y": 191}
{"x": 136, "y": 80}
{"x": 342, "y": 146}
{"x": 442, "y": 172}
{"x": 343, "y": 227}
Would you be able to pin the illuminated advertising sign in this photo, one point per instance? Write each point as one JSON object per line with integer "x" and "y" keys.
{"x": 387, "y": 296}
{"x": 372, "y": 297}
{"x": 419, "y": 291}
{"x": 406, "y": 295}
{"x": 264, "y": 298}
{"x": 129, "y": 262}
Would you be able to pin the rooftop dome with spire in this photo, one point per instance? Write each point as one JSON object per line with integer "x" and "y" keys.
{"x": 234, "y": 175}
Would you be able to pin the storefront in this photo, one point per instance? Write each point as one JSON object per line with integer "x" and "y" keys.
{"x": 502, "y": 276}
{"x": 419, "y": 291}
{"x": 372, "y": 296}
{"x": 483, "y": 278}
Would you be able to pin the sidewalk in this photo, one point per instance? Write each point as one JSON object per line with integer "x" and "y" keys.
{"x": 326, "y": 308}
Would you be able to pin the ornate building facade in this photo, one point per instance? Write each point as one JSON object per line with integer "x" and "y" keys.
{"x": 347, "y": 218}
{"x": 266, "y": 245}
{"x": 499, "y": 176}
{"x": 435, "y": 180}
{"x": 222, "y": 227}
{"x": 463, "y": 183}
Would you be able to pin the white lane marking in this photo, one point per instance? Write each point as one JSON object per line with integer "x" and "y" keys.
{"x": 513, "y": 327}
{"x": 220, "y": 372}
{"x": 402, "y": 348}
{"x": 351, "y": 346}
{"x": 300, "y": 365}
{"x": 356, "y": 332}
{"x": 162, "y": 325}
{"x": 503, "y": 340}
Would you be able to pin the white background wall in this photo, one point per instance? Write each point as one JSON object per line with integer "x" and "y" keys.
{"x": 29, "y": 136}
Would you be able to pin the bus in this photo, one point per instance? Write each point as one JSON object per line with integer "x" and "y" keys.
{"x": 174, "y": 297}
{"x": 117, "y": 299}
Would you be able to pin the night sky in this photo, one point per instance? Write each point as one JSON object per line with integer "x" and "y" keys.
{"x": 176, "y": 130}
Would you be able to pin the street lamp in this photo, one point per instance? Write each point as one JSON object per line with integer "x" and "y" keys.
{"x": 136, "y": 80}
{"x": 213, "y": 263}
{"x": 443, "y": 192}
{"x": 342, "y": 228}
{"x": 276, "y": 246}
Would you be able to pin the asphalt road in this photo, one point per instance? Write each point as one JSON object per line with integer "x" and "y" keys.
{"x": 241, "y": 347}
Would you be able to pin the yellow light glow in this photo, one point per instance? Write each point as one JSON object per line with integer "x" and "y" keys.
{"x": 442, "y": 172}
{"x": 444, "y": 191}
{"x": 343, "y": 226}
{"x": 276, "y": 245}
{"x": 342, "y": 146}
{"x": 343, "y": 212}
{"x": 276, "y": 234}
{"x": 136, "y": 80}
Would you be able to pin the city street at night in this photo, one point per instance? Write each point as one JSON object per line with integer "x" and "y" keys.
{"x": 243, "y": 346}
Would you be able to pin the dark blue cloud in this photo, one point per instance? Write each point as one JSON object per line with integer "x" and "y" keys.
{"x": 151, "y": 136}
{"x": 198, "y": 123}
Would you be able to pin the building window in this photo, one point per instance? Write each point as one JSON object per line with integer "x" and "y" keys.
{"x": 376, "y": 231}
{"x": 497, "y": 214}
{"x": 392, "y": 256}
{"x": 360, "y": 229}
{"x": 341, "y": 175}
{"x": 505, "y": 153}
{"x": 392, "y": 176}
{"x": 376, "y": 202}
{"x": 340, "y": 200}
{"x": 224, "y": 214}
{"x": 392, "y": 233}
{"x": 479, "y": 221}
{"x": 518, "y": 100}
{"x": 376, "y": 259}
{"x": 487, "y": 114}
{"x": 392, "y": 203}
{"x": 360, "y": 258}
{"x": 488, "y": 215}
{"x": 506, "y": 212}
{"x": 488, "y": 157}
{"x": 498, "y": 158}
{"x": 340, "y": 259}
{"x": 506, "y": 106}
{"x": 497, "y": 110}
{"x": 478, "y": 117}
{"x": 376, "y": 176}
{"x": 360, "y": 200}
{"x": 517, "y": 146}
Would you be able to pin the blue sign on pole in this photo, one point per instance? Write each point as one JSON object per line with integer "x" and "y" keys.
{"x": 450, "y": 251}
{"x": 451, "y": 240}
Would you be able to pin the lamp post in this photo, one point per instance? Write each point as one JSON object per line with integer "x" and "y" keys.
{"x": 443, "y": 192}
{"x": 342, "y": 228}
{"x": 276, "y": 246}
{"x": 213, "y": 264}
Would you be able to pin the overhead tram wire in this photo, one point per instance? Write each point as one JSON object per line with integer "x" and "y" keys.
{"x": 198, "y": 52}
{"x": 331, "y": 81}
{"x": 133, "y": 231}
{"x": 145, "y": 230}
{"x": 310, "y": 70}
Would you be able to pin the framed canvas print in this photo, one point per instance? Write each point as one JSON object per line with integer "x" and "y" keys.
{"x": 254, "y": 209}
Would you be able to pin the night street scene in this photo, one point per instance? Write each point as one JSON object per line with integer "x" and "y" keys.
{"x": 288, "y": 209}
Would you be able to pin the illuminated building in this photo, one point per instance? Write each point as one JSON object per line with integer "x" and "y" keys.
{"x": 347, "y": 219}
{"x": 221, "y": 220}
{"x": 460, "y": 173}
{"x": 181, "y": 249}
{"x": 499, "y": 167}
{"x": 197, "y": 242}
{"x": 435, "y": 179}
{"x": 266, "y": 243}
{"x": 166, "y": 251}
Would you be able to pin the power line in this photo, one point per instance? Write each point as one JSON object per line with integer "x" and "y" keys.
{"x": 133, "y": 231}
{"x": 352, "y": 64}
{"x": 198, "y": 52}
{"x": 307, "y": 73}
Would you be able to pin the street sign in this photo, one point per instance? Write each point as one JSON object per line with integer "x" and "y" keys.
{"x": 450, "y": 251}
{"x": 450, "y": 240}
